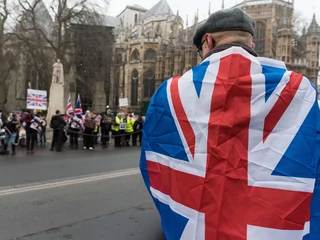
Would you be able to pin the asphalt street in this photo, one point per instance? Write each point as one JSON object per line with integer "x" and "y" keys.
{"x": 76, "y": 194}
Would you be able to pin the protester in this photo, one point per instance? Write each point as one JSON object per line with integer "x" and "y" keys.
{"x": 96, "y": 130}
{"x": 31, "y": 123}
{"x": 12, "y": 125}
{"x": 88, "y": 136}
{"x": 57, "y": 124}
{"x": 106, "y": 123}
{"x": 231, "y": 145}
{"x": 43, "y": 125}
{"x": 3, "y": 124}
{"x": 116, "y": 130}
{"x": 137, "y": 134}
{"x": 74, "y": 127}
{"x": 129, "y": 128}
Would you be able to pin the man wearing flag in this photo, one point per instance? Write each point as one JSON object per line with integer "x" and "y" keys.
{"x": 231, "y": 148}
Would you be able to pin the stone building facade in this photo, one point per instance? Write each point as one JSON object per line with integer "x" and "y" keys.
{"x": 152, "y": 46}
{"x": 87, "y": 60}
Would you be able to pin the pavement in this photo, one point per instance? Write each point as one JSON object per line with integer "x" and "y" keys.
{"x": 76, "y": 194}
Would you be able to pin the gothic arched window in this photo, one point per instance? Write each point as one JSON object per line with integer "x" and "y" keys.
{"x": 134, "y": 87}
{"x": 119, "y": 58}
{"x": 135, "y": 55}
{"x": 259, "y": 38}
{"x": 150, "y": 54}
{"x": 148, "y": 83}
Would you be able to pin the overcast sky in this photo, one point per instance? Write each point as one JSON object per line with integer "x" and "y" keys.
{"x": 306, "y": 7}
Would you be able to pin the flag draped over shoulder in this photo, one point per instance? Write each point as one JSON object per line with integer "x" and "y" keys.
{"x": 230, "y": 151}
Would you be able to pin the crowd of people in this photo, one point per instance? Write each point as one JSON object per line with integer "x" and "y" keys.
{"x": 28, "y": 129}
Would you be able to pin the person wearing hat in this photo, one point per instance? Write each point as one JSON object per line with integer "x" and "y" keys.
{"x": 231, "y": 147}
{"x": 225, "y": 29}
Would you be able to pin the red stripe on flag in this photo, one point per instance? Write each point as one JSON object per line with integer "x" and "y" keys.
{"x": 182, "y": 116}
{"x": 282, "y": 104}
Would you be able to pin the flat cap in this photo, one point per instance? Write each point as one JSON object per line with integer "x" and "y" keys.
{"x": 225, "y": 20}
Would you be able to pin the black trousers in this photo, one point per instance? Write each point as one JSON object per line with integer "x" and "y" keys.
{"x": 134, "y": 138}
{"x": 57, "y": 139}
{"x": 117, "y": 138}
{"x": 127, "y": 137}
{"x": 105, "y": 136}
{"x": 55, "y": 136}
{"x": 74, "y": 134}
{"x": 32, "y": 136}
{"x": 88, "y": 138}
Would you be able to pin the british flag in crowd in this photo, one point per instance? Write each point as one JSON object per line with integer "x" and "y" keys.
{"x": 78, "y": 109}
{"x": 36, "y": 99}
{"x": 69, "y": 107}
{"x": 230, "y": 151}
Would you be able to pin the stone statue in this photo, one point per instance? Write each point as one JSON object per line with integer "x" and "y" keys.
{"x": 56, "y": 96}
{"x": 57, "y": 75}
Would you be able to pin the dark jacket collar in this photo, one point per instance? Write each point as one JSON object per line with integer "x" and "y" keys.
{"x": 223, "y": 47}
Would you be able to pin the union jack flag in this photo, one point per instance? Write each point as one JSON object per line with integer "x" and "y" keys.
{"x": 78, "y": 109}
{"x": 230, "y": 151}
{"x": 69, "y": 108}
{"x": 37, "y": 99}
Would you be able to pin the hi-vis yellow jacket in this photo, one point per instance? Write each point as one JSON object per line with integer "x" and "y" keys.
{"x": 116, "y": 127}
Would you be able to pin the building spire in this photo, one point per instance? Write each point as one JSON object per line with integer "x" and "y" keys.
{"x": 209, "y": 11}
{"x": 187, "y": 21}
{"x": 222, "y": 7}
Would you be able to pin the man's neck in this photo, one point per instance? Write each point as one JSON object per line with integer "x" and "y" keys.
{"x": 223, "y": 47}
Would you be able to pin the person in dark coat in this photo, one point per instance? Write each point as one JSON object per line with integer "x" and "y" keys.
{"x": 12, "y": 125}
{"x": 57, "y": 124}
{"x": 3, "y": 124}
{"x": 137, "y": 128}
{"x": 31, "y": 124}
{"x": 106, "y": 123}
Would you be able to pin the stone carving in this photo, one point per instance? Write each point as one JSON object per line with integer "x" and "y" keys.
{"x": 58, "y": 76}
{"x": 56, "y": 96}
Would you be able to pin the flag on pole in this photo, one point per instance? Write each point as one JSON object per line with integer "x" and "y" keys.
{"x": 69, "y": 108}
{"x": 78, "y": 109}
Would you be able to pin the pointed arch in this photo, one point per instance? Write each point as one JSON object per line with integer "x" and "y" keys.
{"x": 259, "y": 38}
{"x": 148, "y": 83}
{"x": 119, "y": 58}
{"x": 134, "y": 87}
{"x": 150, "y": 54}
{"x": 135, "y": 55}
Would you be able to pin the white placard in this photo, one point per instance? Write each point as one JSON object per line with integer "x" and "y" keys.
{"x": 123, "y": 102}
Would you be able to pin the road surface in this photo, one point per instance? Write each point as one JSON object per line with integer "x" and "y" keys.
{"x": 80, "y": 195}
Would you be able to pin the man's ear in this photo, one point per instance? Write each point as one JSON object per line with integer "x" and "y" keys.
{"x": 253, "y": 45}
